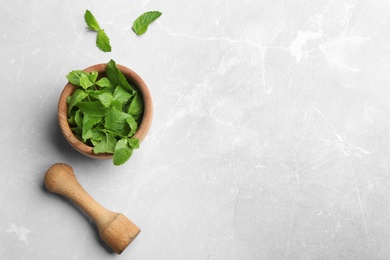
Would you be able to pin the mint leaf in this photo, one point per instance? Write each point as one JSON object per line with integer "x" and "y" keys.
{"x": 103, "y": 83}
{"x": 85, "y": 81}
{"x": 137, "y": 105}
{"x": 97, "y": 134}
{"x": 94, "y": 109}
{"x": 74, "y": 76}
{"x": 93, "y": 76}
{"x": 121, "y": 95}
{"x": 122, "y": 152}
{"x": 116, "y": 105}
{"x": 106, "y": 98}
{"x": 106, "y": 145}
{"x": 91, "y": 21}
{"x": 134, "y": 143}
{"x": 116, "y": 77}
{"x": 71, "y": 120}
{"x": 133, "y": 125}
{"x": 116, "y": 121}
{"x": 141, "y": 24}
{"x": 88, "y": 123}
{"x": 76, "y": 98}
{"x": 78, "y": 118}
{"x": 102, "y": 41}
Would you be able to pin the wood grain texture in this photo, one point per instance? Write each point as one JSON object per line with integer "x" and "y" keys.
{"x": 114, "y": 228}
{"x": 68, "y": 90}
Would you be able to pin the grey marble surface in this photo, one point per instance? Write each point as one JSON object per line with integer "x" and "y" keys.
{"x": 270, "y": 137}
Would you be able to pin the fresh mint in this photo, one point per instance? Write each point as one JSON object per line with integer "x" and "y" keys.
{"x": 116, "y": 77}
{"x": 141, "y": 24}
{"x": 122, "y": 152}
{"x": 91, "y": 21}
{"x": 105, "y": 112}
{"x": 102, "y": 40}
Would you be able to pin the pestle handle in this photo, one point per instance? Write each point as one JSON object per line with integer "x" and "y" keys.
{"x": 61, "y": 179}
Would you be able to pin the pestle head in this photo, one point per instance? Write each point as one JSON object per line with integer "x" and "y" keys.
{"x": 119, "y": 233}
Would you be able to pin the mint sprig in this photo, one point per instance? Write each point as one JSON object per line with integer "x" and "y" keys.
{"x": 105, "y": 112}
{"x": 102, "y": 40}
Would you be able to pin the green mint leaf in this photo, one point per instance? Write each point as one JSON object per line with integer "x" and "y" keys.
{"x": 106, "y": 98}
{"x": 94, "y": 109}
{"x": 134, "y": 143}
{"x": 85, "y": 81}
{"x": 116, "y": 77}
{"x": 97, "y": 134}
{"x": 88, "y": 123}
{"x": 116, "y": 121}
{"x": 133, "y": 125}
{"x": 91, "y": 21}
{"x": 106, "y": 145}
{"x": 122, "y": 95}
{"x": 78, "y": 118}
{"x": 116, "y": 105}
{"x": 141, "y": 24}
{"x": 93, "y": 76}
{"x": 71, "y": 120}
{"x": 82, "y": 78}
{"x": 122, "y": 152}
{"x": 103, "y": 83}
{"x": 102, "y": 41}
{"x": 74, "y": 76}
{"x": 76, "y": 98}
{"x": 77, "y": 132}
{"x": 94, "y": 94}
{"x": 137, "y": 105}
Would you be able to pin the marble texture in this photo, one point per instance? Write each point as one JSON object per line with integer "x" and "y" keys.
{"x": 270, "y": 137}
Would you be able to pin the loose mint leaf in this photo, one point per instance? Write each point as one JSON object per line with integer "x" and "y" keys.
{"x": 91, "y": 21}
{"x": 102, "y": 41}
{"x": 76, "y": 98}
{"x": 122, "y": 152}
{"x": 116, "y": 121}
{"x": 133, "y": 125}
{"x": 103, "y": 83}
{"x": 137, "y": 105}
{"x": 94, "y": 109}
{"x": 121, "y": 95}
{"x": 74, "y": 77}
{"x": 85, "y": 81}
{"x": 88, "y": 123}
{"x": 106, "y": 98}
{"x": 116, "y": 77}
{"x": 106, "y": 145}
{"x": 134, "y": 143}
{"x": 141, "y": 24}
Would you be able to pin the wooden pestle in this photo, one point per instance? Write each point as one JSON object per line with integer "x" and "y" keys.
{"x": 114, "y": 228}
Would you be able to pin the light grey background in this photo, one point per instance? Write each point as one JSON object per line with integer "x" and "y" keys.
{"x": 270, "y": 137}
